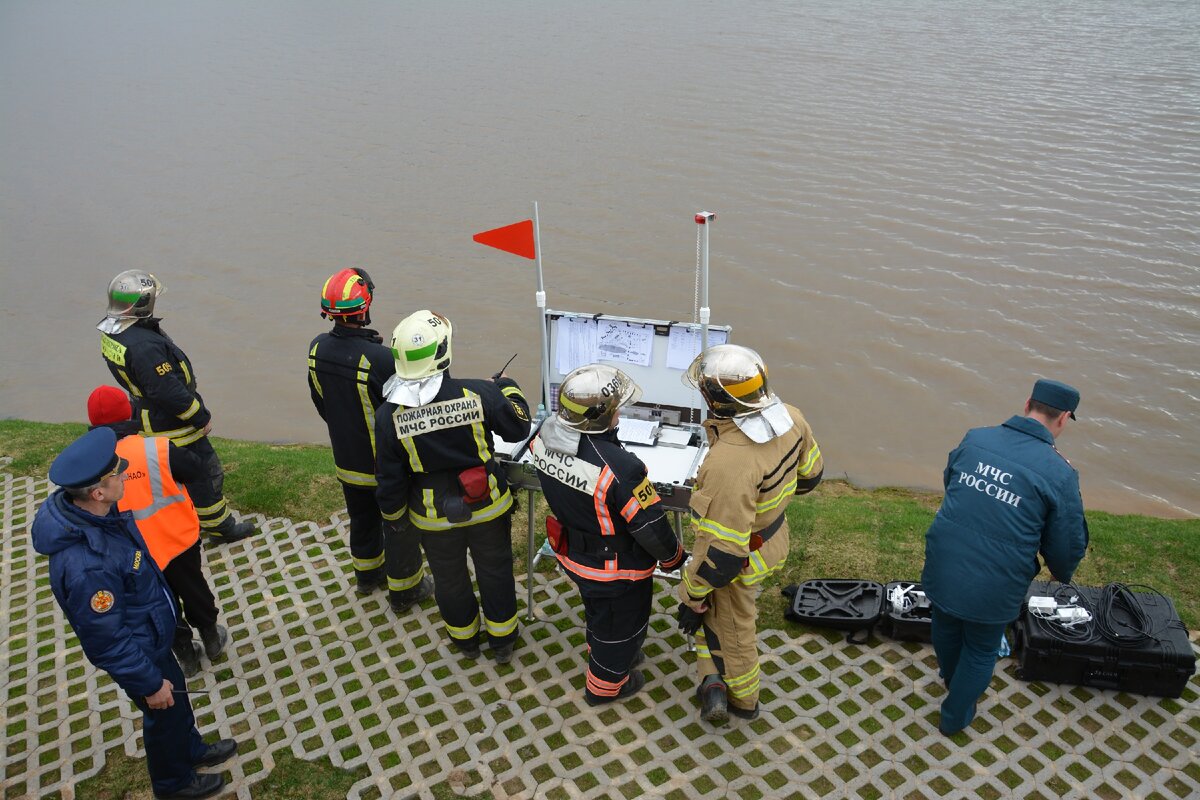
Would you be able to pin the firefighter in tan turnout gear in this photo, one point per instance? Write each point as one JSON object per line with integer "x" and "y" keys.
{"x": 609, "y": 531}
{"x": 438, "y": 479}
{"x": 762, "y": 452}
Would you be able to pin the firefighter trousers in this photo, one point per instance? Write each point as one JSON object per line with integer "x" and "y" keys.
{"x": 185, "y": 576}
{"x": 366, "y": 532}
{"x": 490, "y": 546}
{"x": 727, "y": 642}
{"x": 616, "y": 628}
{"x": 208, "y": 493}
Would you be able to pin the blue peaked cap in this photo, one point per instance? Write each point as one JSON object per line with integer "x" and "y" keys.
{"x": 86, "y": 460}
{"x": 1056, "y": 395}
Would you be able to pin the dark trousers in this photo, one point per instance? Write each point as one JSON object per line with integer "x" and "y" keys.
{"x": 366, "y": 529}
{"x": 966, "y": 654}
{"x": 402, "y": 555}
{"x": 616, "y": 628}
{"x": 173, "y": 745}
{"x": 490, "y": 546}
{"x": 208, "y": 495}
{"x": 186, "y": 578}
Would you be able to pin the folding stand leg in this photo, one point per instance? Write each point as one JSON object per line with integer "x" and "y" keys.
{"x": 530, "y": 556}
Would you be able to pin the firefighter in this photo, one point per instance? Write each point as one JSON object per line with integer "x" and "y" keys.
{"x": 609, "y": 531}
{"x": 438, "y": 479}
{"x": 761, "y": 452}
{"x": 159, "y": 376}
{"x": 347, "y": 368}
{"x": 166, "y": 518}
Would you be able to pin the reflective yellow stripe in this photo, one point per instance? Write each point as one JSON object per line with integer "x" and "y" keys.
{"x": 431, "y": 522}
{"x": 702, "y": 651}
{"x": 414, "y": 460}
{"x": 695, "y": 590}
{"x": 427, "y": 500}
{"x": 400, "y": 584}
{"x": 133, "y": 389}
{"x": 356, "y": 478}
{"x": 499, "y": 629}
{"x": 191, "y": 411}
{"x": 512, "y": 391}
{"x": 364, "y": 397}
{"x": 571, "y": 405}
{"x": 215, "y": 508}
{"x": 394, "y": 516}
{"x": 214, "y": 522}
{"x": 706, "y": 525}
{"x": 772, "y": 503}
{"x": 807, "y": 467}
{"x": 744, "y": 684}
{"x": 758, "y": 570}
{"x": 180, "y": 436}
{"x": 312, "y": 374}
{"x": 187, "y": 374}
{"x": 365, "y": 564}
{"x": 467, "y": 632}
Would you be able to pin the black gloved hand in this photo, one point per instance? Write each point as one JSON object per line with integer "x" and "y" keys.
{"x": 689, "y": 620}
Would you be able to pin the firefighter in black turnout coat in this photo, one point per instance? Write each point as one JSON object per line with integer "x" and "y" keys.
{"x": 609, "y": 531}
{"x": 160, "y": 378}
{"x": 347, "y": 368}
{"x": 438, "y": 479}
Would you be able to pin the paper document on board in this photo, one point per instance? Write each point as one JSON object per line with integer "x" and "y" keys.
{"x": 683, "y": 345}
{"x": 630, "y": 342}
{"x": 577, "y": 342}
{"x": 638, "y": 431}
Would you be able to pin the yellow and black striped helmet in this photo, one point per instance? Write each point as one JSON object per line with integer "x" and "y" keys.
{"x": 589, "y": 397}
{"x": 732, "y": 378}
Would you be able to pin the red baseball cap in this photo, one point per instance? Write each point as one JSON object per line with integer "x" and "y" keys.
{"x": 108, "y": 404}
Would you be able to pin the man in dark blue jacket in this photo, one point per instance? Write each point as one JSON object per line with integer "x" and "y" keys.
{"x": 1009, "y": 495}
{"x": 121, "y": 608}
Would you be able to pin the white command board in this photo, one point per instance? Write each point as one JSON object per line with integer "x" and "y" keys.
{"x": 655, "y": 353}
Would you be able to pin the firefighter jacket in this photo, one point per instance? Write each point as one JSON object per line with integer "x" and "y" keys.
{"x": 347, "y": 368}
{"x": 1009, "y": 495}
{"x": 156, "y": 372}
{"x": 614, "y": 527}
{"x": 435, "y": 464}
{"x": 161, "y": 507}
{"x": 110, "y": 590}
{"x": 740, "y": 495}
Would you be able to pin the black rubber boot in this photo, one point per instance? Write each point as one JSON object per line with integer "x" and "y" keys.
{"x": 714, "y": 700}
{"x": 403, "y": 601}
{"x": 201, "y": 786}
{"x": 214, "y": 639}
{"x": 231, "y": 531}
{"x": 188, "y": 656}
{"x": 369, "y": 580}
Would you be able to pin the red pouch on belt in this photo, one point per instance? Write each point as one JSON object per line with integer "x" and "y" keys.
{"x": 554, "y": 533}
{"x": 474, "y": 483}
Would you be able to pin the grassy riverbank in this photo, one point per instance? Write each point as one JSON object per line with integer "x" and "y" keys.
{"x": 838, "y": 531}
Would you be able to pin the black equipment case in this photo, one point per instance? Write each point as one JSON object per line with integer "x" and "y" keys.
{"x": 909, "y": 625}
{"x": 842, "y": 603}
{"x": 1161, "y": 666}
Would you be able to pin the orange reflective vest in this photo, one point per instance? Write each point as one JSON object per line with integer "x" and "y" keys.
{"x": 162, "y": 508}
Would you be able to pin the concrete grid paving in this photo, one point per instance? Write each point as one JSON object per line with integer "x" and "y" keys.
{"x": 315, "y": 670}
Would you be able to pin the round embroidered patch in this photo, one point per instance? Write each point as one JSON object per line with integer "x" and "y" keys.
{"x": 102, "y": 601}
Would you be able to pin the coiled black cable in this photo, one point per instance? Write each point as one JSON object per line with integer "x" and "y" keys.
{"x": 1139, "y": 630}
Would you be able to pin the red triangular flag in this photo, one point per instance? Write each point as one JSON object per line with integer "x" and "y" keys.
{"x": 516, "y": 238}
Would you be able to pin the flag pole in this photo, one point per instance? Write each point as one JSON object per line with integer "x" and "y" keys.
{"x": 703, "y": 218}
{"x": 540, "y": 299}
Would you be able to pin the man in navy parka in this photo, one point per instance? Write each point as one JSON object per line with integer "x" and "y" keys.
{"x": 1010, "y": 495}
{"x": 120, "y": 607}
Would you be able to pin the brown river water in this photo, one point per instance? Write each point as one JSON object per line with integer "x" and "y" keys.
{"x": 921, "y": 206}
